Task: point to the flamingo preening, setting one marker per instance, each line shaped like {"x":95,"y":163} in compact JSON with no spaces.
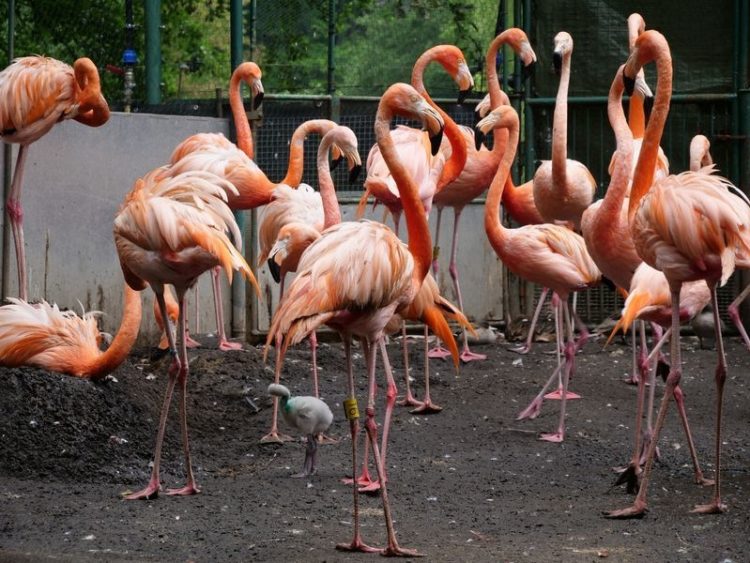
{"x":170,"y":231}
{"x":36,"y":93}
{"x":355,"y":277}
{"x":548,"y":254}
{"x":688,"y":227}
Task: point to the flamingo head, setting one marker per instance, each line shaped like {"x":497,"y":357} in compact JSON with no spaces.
{"x":250,"y":73}
{"x":344,"y":146}
{"x":647,"y":46}
{"x":93,"y":109}
{"x":636,"y":26}
{"x":500,"y":117}
{"x":563,"y":48}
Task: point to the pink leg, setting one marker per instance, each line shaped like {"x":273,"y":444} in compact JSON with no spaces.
{"x":526,"y":347}
{"x":352,"y":414}
{"x":639,"y":506}
{"x":634,"y":377}
{"x":409,"y":399}
{"x":569,"y":369}
{"x":314,"y":351}
{"x":393,"y":549}
{"x":427,"y":407}
{"x":154,"y":486}
{"x":190,"y":488}
{"x":224,"y":344}
{"x":438,"y":351}
{"x":716,"y":505}
{"x":557,"y":394}
{"x":679,"y":398}
{"x":466,"y":354}
{"x":734,"y":314}
{"x":15,"y":215}
{"x":364,"y":481}
{"x":274,"y":436}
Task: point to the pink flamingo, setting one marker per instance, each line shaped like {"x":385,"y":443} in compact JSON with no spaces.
{"x":687,"y":227}
{"x":293,"y":220}
{"x":478,"y":171}
{"x":548,"y":254}
{"x":36,"y":93}
{"x":171,"y":230}
{"x":355,"y":277}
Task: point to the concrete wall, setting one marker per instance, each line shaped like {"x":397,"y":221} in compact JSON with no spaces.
{"x":75,"y":180}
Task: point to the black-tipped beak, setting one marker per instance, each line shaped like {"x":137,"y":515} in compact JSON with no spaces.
{"x":478,"y":137}
{"x":275,"y":270}
{"x":257,"y":100}
{"x":335,"y":162}
{"x":648,"y":105}
{"x":435,"y":142}
{"x":528,"y":70}
{"x":629,"y":84}
{"x":354,"y":173}
{"x":557,"y":62}
{"x":463,"y":94}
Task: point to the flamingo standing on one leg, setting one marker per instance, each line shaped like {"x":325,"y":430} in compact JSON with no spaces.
{"x":36,"y":93}
{"x":479,"y":169}
{"x":548,"y":254}
{"x":293,"y":220}
{"x":355,"y":277}
{"x":171,"y":230}
{"x":41,"y":335}
{"x":687,"y":227}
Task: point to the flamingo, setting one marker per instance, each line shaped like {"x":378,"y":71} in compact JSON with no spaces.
{"x":700,"y":158}
{"x":548,"y":254}
{"x":36,"y":93}
{"x":294,"y":219}
{"x":42,"y":335}
{"x":355,"y":277}
{"x":171,"y":230}
{"x":309,"y":415}
{"x":687,"y":226}
{"x":563,"y":188}
{"x":478,"y":171}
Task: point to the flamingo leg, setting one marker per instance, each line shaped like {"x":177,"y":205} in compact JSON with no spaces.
{"x":365,"y":481}
{"x":314,"y":352}
{"x":526,"y":347}
{"x":438,"y":351}
{"x":569,"y":369}
{"x":224,"y":344}
{"x":427,"y":407}
{"x":409,"y":399}
{"x":190,"y":488}
{"x":716,"y":506}
{"x":154,"y":486}
{"x":466,"y":354}
{"x":308,"y":467}
{"x":634,"y":376}
{"x":15,"y":215}
{"x":639,"y":506}
{"x":274,"y":436}
{"x":353,"y":415}
{"x":734,"y":314}
{"x":560,"y":327}
{"x":392,"y":549}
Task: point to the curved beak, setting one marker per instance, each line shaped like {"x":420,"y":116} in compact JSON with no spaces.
{"x":648,"y":105}
{"x":478,"y":137}
{"x":463,"y":94}
{"x":527,"y":71}
{"x":336,"y":161}
{"x":557,"y":61}
{"x":275,"y":269}
{"x":258,"y":93}
{"x":354,"y":173}
{"x":629,"y":83}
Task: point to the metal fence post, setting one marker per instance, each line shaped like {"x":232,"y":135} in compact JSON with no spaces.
{"x":7,"y":164}
{"x":152,"y":15}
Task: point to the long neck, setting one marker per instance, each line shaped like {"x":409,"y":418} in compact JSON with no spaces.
{"x":644,"y":172}
{"x":241,"y":123}
{"x":636,"y":117}
{"x":496,"y":233}
{"x":420,"y":243}
{"x":499,"y":135}
{"x":457,"y":160}
{"x":297,"y":148}
{"x":331,"y":211}
{"x":124,"y":339}
{"x":618,"y":185}
{"x":560,"y":127}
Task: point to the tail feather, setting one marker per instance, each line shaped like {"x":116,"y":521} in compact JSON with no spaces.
{"x":434,"y":319}
{"x":635,"y":303}
{"x":362,"y":205}
{"x":454,"y":313}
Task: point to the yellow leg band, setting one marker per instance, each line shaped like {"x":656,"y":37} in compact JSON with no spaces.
{"x":351,"y":409}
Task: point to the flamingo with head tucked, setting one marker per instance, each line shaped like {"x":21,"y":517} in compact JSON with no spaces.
{"x":356,"y":276}
{"x":35,"y":93}
{"x":688,"y":227}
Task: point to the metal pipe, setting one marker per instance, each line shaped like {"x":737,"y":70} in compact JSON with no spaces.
{"x":152,"y":15}
{"x":253,"y":25}
{"x":331,"y":46}
{"x":129,"y":58}
{"x":683,"y":98}
{"x":239,"y":301}
{"x":8,"y":162}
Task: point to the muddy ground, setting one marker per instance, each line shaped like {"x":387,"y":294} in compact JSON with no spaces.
{"x":468,"y":484}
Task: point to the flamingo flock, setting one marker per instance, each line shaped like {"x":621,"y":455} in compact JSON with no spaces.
{"x":666,"y":241}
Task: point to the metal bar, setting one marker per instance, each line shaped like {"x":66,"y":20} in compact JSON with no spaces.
{"x":8,"y":163}
{"x":238,"y":299}
{"x":152,"y":15}
{"x":253,"y":25}
{"x":680,"y":98}
{"x":331,"y":46}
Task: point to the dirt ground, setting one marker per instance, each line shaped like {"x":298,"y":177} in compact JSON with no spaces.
{"x":468,"y":484}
